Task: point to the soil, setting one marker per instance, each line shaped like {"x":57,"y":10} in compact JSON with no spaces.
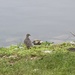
{"x":71,"y":49}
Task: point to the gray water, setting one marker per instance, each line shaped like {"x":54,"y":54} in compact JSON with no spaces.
{"x":50,"y":20}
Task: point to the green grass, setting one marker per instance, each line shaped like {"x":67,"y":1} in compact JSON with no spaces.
{"x":18,"y":60}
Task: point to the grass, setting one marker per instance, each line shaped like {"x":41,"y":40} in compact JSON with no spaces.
{"x":18,"y":60}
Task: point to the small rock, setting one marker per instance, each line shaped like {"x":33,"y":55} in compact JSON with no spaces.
{"x":72,"y":42}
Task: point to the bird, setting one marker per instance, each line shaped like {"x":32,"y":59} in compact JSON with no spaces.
{"x":27,"y":41}
{"x":37,"y":42}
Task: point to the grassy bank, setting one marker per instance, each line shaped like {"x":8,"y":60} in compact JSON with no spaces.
{"x":46,"y":59}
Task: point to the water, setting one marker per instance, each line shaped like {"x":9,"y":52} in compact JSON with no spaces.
{"x":50,"y":20}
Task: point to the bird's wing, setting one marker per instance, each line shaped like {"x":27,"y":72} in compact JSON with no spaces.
{"x":28,"y":42}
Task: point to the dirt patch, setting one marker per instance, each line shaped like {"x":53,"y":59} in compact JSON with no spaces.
{"x":71,"y":49}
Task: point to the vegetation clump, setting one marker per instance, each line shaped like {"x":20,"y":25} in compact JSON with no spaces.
{"x":44,"y":59}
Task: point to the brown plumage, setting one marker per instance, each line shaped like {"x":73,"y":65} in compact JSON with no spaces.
{"x":27,"y":41}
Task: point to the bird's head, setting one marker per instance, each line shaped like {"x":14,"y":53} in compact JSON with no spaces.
{"x":27,"y":35}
